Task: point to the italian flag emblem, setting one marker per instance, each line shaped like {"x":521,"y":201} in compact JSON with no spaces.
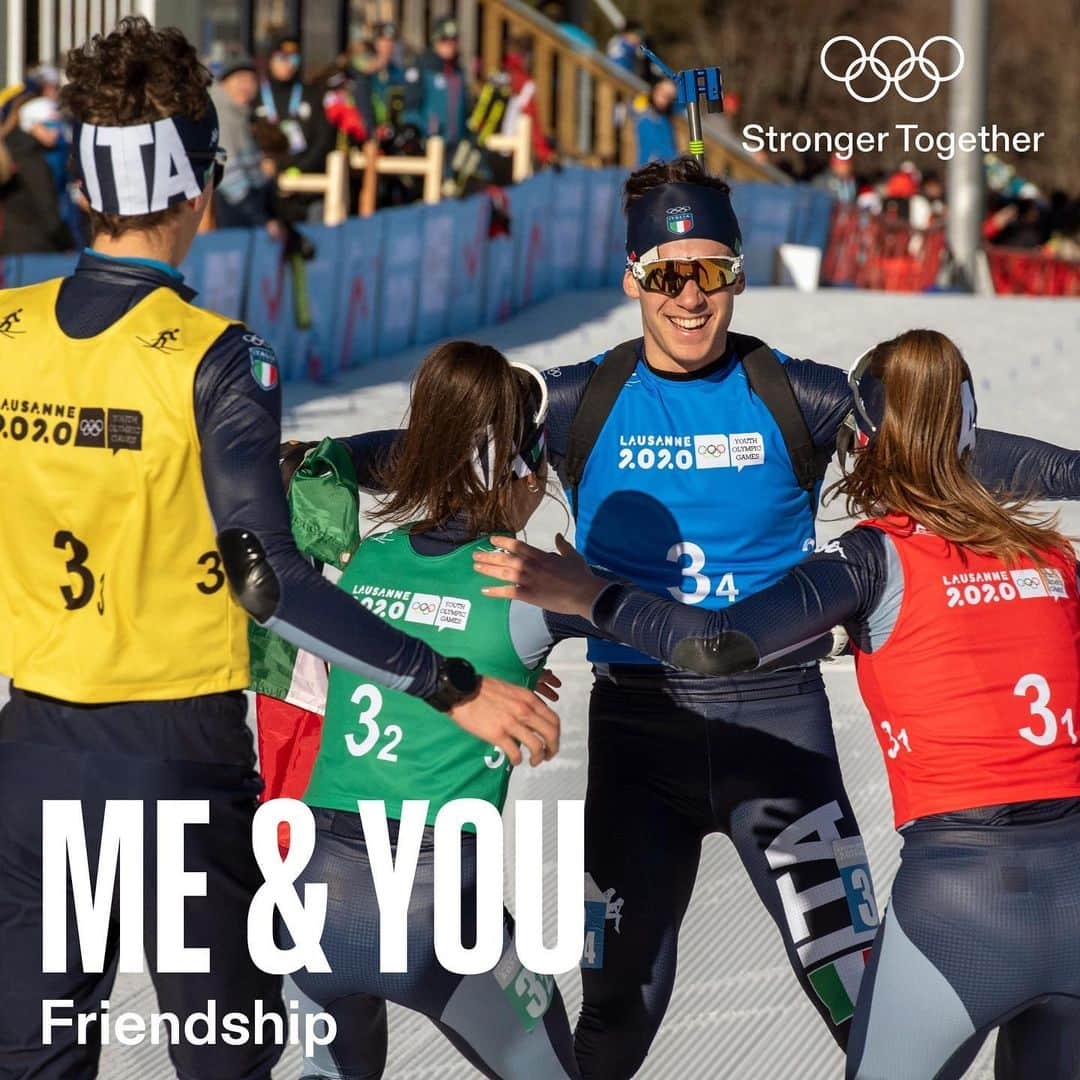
{"x":837,"y":984}
{"x":680,"y":219}
{"x":264,"y":368}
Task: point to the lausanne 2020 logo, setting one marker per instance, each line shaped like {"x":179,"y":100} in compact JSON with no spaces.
{"x":839,"y":46}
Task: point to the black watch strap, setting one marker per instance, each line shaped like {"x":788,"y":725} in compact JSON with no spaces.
{"x":458,"y":681}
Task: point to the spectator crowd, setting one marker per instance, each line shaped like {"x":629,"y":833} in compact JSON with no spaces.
{"x":277,"y":121}
{"x":280,"y":118}
{"x":1018,"y":213}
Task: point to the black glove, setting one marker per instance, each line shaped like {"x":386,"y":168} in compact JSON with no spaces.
{"x":291,"y":457}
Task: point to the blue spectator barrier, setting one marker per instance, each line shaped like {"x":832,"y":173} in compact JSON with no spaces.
{"x":217,"y":266}
{"x":532,"y":206}
{"x":468,"y":282}
{"x":33,"y":268}
{"x":401,"y":265}
{"x":600,"y":261}
{"x":418,"y":274}
{"x":499,"y":294}
{"x":436,"y":271}
{"x":9,"y":271}
{"x":354,"y":338}
{"x":313,"y":344}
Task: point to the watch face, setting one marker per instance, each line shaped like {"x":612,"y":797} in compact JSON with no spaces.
{"x":461,"y":675}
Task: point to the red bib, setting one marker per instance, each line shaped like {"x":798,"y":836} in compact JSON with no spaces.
{"x":975,"y":695}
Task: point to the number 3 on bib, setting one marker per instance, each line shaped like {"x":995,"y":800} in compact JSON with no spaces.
{"x":372,"y":732}
{"x":1040,"y":707}
{"x":702,"y":583}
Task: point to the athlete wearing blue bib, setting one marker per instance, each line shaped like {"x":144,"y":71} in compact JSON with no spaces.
{"x":672,"y":452}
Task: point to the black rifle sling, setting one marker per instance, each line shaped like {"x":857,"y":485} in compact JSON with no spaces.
{"x":770,"y":382}
{"x":767,"y":379}
{"x":594,"y":409}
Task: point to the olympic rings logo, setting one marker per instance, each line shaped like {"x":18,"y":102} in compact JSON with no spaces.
{"x":713,"y":450}
{"x":91,"y":428}
{"x":889,"y":78}
{"x":425,"y":608}
{"x":1028,"y":582}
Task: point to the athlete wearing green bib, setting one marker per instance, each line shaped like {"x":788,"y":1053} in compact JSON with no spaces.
{"x":471,"y":463}
{"x":382,"y":744}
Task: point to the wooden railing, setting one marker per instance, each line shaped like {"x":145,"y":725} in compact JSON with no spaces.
{"x":580,"y":95}
{"x":583,"y":101}
{"x":333,"y":185}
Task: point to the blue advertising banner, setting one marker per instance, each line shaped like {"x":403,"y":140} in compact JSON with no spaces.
{"x":618,"y":231}
{"x":499,"y":293}
{"x":531,"y":205}
{"x":472,"y":219}
{"x":812,"y":215}
{"x":354,"y":339}
{"x":765,"y":214}
{"x":9,"y":271}
{"x":434,"y":296}
{"x":567,"y":223}
{"x":401,"y":247}
{"x":313,"y":345}
{"x":270,"y":312}
{"x":216,"y":268}
{"x":599,"y":223}
{"x":35,"y":268}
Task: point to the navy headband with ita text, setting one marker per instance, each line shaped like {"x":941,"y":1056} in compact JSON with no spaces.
{"x":143,"y":168}
{"x":680,"y":212}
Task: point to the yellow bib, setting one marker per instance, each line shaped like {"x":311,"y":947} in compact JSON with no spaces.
{"x":111,"y":585}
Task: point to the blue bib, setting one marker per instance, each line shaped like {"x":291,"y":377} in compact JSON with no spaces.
{"x":689,"y":492}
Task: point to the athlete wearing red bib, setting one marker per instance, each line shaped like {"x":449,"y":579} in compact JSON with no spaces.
{"x":995,"y":648}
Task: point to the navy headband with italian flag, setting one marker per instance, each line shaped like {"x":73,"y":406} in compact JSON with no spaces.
{"x":680,"y":212}
{"x":143,"y":168}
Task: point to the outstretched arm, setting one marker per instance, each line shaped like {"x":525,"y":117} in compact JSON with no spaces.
{"x":767,"y":629}
{"x":773,"y":627}
{"x":239,"y":429}
{"x":1008,"y":465}
{"x":566,"y":386}
{"x":369,"y":452}
{"x":1015,"y":465}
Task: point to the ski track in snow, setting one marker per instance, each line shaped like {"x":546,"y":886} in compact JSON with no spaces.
{"x":736,"y":1012}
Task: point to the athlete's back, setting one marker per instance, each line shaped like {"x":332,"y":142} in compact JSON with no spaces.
{"x":114,"y":587}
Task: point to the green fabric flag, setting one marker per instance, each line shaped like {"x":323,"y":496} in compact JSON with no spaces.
{"x":324,"y":507}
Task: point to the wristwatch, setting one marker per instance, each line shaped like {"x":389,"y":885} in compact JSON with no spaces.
{"x":458,"y":682}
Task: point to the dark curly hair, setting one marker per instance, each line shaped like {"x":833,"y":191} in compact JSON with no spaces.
{"x":134,"y":75}
{"x":683,"y":170}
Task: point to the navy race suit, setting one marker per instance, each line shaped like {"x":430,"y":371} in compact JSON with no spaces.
{"x":689,"y":492}
{"x":983,"y":927}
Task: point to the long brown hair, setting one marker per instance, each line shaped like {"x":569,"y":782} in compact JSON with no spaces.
{"x":466,"y":400}
{"x":913,"y":467}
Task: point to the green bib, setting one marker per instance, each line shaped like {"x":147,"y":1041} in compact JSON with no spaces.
{"x":383,"y":744}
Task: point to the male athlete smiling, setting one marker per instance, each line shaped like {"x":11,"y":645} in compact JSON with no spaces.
{"x":692,"y":458}
{"x":683,"y":332}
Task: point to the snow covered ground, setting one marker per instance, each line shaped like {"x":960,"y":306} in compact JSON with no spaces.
{"x":736,"y":1013}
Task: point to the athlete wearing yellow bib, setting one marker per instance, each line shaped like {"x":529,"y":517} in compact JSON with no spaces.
{"x":115,"y":588}
{"x":144,"y":524}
